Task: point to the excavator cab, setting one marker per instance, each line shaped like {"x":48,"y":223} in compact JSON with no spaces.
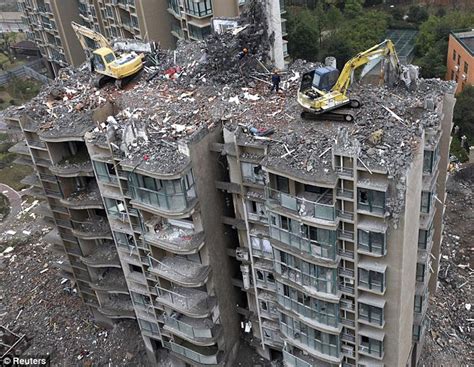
{"x":102,"y":58}
{"x":322,"y":78}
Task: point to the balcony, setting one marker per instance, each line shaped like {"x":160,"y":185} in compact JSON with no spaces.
{"x":308,"y":206}
{"x":180,"y":271}
{"x":324,"y":251}
{"x":88,"y":198}
{"x":104,"y":255}
{"x":298,"y":359}
{"x":74,"y":166}
{"x":347,"y":254}
{"x":92,"y":229}
{"x":177,"y":240}
{"x":199,"y":331}
{"x":187,"y":301}
{"x":201,"y":355}
{"x":20,"y":148}
{"x":112,"y":281}
{"x":117,"y":307}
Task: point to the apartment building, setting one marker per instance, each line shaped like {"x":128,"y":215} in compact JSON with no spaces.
{"x":337,"y":262}
{"x":460,"y":66}
{"x":208,"y":220}
{"x":48,"y":25}
{"x":165,"y":21}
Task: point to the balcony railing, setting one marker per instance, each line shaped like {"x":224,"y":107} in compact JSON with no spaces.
{"x":179,"y":270}
{"x":196,"y":329}
{"x":290,"y":360}
{"x":198,"y":355}
{"x":306,"y":311}
{"x":346,"y":288}
{"x":344,"y":171}
{"x":176,"y":240}
{"x":309,"y":205}
{"x":177,"y":202}
{"x":346,"y":253}
{"x":322,"y":250}
{"x":185,"y":300}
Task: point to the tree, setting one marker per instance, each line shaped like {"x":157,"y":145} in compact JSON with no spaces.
{"x":464,"y":113}
{"x":431,"y":47}
{"x":303,"y":35}
{"x":353,"y":8}
{"x":417,"y":14}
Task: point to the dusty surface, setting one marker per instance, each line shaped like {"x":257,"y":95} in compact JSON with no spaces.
{"x":36,"y":301}
{"x":449,"y":341}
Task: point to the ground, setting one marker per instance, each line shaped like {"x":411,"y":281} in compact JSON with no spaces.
{"x":39,"y":303}
{"x":449,"y":340}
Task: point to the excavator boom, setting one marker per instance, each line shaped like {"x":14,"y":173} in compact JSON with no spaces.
{"x":318,"y":96}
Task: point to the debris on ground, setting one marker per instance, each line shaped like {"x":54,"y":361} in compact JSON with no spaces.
{"x":449,"y":340}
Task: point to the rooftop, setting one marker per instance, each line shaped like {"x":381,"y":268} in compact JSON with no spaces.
{"x":466,"y":39}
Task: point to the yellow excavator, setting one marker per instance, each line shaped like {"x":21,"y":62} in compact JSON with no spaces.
{"x":323,"y":91}
{"x":103,"y":59}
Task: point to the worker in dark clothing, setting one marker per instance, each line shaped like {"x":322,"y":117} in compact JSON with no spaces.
{"x":275,"y":81}
{"x":243,"y":53}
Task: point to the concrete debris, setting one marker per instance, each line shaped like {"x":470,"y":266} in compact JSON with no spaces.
{"x":449,"y":340}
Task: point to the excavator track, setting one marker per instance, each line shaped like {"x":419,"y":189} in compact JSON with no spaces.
{"x":344,"y":115}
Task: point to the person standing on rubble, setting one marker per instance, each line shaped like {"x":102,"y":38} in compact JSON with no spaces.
{"x":276,"y":79}
{"x":243,"y":53}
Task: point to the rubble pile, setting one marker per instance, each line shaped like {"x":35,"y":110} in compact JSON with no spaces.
{"x":449,"y":339}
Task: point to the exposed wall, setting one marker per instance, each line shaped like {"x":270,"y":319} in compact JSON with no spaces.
{"x":66,"y":11}
{"x":445,"y":141}
{"x":155,"y":22}
{"x":206,"y":171}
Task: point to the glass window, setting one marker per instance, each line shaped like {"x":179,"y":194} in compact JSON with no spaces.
{"x":283,"y":184}
{"x":372,"y":242}
{"x":420,"y":272}
{"x":466,"y":67}
{"x":371,"y":313}
{"x":428,"y":159}
{"x":199,"y":8}
{"x":371,"y":346}
{"x":454,"y":55}
{"x":425,"y":205}
{"x":372,"y":280}
{"x":371,"y":200}
{"x":418,"y":303}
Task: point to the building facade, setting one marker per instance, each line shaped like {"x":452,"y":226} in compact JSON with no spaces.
{"x":460,"y":67}
{"x":164,"y":21}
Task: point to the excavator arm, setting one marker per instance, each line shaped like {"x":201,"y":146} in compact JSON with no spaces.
{"x":383,"y":50}
{"x":84,"y":34}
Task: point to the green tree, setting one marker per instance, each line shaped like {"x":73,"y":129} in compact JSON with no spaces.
{"x":417,"y":14}
{"x":431,"y":46}
{"x":353,"y":8}
{"x":464,"y":113}
{"x":303,"y":35}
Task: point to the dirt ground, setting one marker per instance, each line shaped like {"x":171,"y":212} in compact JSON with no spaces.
{"x":37,"y":302}
{"x":449,"y":341}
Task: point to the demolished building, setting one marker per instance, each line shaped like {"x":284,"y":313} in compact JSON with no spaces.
{"x":205,"y":208}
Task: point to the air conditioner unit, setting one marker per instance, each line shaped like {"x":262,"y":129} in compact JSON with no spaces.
{"x":464,"y":77}
{"x":241,"y":254}
{"x":456,"y":67}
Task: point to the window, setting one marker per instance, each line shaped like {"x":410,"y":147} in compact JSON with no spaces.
{"x":454,"y":55}
{"x":422,"y":239}
{"x":322,"y":342}
{"x":372,"y":314}
{"x":372,"y":242}
{"x":148,"y":326}
{"x":371,"y":346}
{"x":140,"y":299}
{"x":124,"y":240}
{"x":418,"y":303}
{"x":420,"y":272}
{"x":174,"y":5}
{"x":371,"y":200}
{"x":199,"y":8}
{"x":252,"y":173}
{"x":416,"y":332}
{"x":466,"y":67}
{"x":459,"y":59}
{"x":135,"y":269}
{"x":312,"y":308}
{"x":428,"y":160}
{"x":199,"y":33}
{"x":105,"y":171}
{"x":283,"y":184}
{"x":426,"y":198}
{"x":171,"y":195}
{"x":261,"y":246}
{"x":301,"y":272}
{"x":370,"y":279}
{"x":115,"y":208}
